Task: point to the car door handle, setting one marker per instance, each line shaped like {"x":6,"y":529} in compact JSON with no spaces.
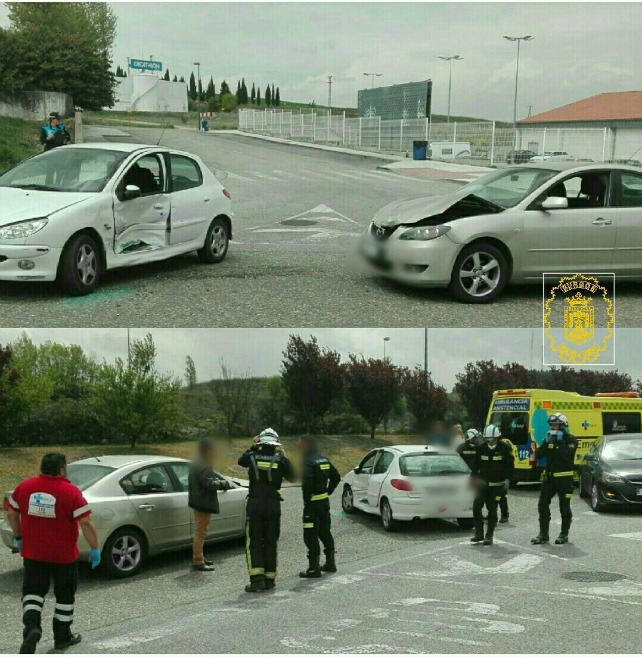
{"x":601,"y":221}
{"x":146,"y":507}
{"x":206,"y":199}
{"x":159,"y":206}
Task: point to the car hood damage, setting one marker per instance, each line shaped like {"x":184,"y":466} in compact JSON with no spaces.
{"x":24,"y":204}
{"x":434,"y":210}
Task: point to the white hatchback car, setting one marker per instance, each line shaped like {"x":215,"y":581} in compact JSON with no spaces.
{"x":74,"y":212}
{"x":410,"y":482}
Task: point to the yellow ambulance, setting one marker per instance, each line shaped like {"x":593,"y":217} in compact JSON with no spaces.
{"x":522,"y":416}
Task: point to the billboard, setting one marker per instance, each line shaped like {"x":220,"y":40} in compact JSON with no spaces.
{"x":399,"y":101}
{"x":145,"y":65}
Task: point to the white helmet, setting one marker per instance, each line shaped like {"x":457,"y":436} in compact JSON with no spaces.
{"x":558,"y":418}
{"x":473,"y":434}
{"x":269,"y":437}
{"x":491,"y":432}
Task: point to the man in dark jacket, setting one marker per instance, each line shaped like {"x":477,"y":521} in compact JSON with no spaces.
{"x":492,"y":472}
{"x":203,"y":487}
{"x":558,"y":449}
{"x":319,"y":479}
{"x":468,"y":449}
{"x":267,"y":467}
{"x":54,"y":133}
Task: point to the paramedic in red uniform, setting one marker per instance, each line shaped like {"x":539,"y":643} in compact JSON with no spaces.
{"x":45,"y":512}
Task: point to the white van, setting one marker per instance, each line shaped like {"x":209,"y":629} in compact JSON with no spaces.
{"x":448,"y":150}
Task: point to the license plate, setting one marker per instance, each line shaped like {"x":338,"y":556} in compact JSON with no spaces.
{"x":639,"y":491}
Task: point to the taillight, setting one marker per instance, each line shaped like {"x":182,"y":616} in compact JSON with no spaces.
{"x":401,"y":484}
{"x":532,"y":461}
{"x":227,"y":194}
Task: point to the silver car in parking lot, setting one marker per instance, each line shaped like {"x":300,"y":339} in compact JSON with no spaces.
{"x":511,"y":226}
{"x":139,"y":508}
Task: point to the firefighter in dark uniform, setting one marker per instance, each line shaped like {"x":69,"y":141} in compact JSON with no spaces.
{"x":558,"y":449}
{"x":492,"y":471}
{"x":268,"y":466}
{"x":468,"y":449}
{"x":319,"y":479}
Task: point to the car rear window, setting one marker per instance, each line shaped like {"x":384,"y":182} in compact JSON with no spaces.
{"x":85,"y":475}
{"x":432,"y":465}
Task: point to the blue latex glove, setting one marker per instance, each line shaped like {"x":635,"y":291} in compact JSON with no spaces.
{"x":94,"y":557}
{"x":17,"y":544}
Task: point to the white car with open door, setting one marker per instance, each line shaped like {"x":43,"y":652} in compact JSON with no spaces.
{"x":410,"y":482}
{"x":72,"y":213}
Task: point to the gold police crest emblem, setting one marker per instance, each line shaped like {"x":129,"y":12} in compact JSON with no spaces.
{"x":579,"y":319}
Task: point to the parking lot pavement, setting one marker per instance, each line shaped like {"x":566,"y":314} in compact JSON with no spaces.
{"x":293,"y":260}
{"x":422,"y":589}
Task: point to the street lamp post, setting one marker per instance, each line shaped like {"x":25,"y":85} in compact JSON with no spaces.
{"x":373,"y":76}
{"x":450,"y":77}
{"x":198,"y":93}
{"x":384,"y":347}
{"x":527,"y":37}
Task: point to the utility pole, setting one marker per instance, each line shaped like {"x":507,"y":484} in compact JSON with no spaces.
{"x":329,"y":83}
{"x":530,"y":110}
{"x":373,"y":76}
{"x":426,"y":354}
{"x":450,"y":77}
{"x":198,"y":93}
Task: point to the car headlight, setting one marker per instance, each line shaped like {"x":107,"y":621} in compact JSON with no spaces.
{"x":23,"y":229}
{"x":612,"y":478}
{"x":423,"y":233}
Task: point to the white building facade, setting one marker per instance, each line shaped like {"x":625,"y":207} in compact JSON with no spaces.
{"x":148,"y":93}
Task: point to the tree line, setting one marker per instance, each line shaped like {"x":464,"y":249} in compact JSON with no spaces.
{"x":62,"y":48}
{"x":52,"y":394}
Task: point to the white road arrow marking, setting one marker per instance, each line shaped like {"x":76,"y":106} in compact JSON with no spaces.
{"x":635,"y":536}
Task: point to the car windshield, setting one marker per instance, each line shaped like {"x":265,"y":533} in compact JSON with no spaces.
{"x":508,"y":187}
{"x":432,"y":465}
{"x":85,"y":475}
{"x":65,"y":170}
{"x":623,"y":449}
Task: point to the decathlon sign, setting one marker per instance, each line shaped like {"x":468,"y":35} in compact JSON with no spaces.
{"x":145,"y":65}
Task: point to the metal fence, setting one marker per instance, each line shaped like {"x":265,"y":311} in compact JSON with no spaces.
{"x":482,"y":143}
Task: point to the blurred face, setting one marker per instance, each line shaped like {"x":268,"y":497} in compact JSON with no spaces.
{"x":557,"y":426}
{"x":302,"y":447}
{"x":54,"y":122}
{"x":210,"y":453}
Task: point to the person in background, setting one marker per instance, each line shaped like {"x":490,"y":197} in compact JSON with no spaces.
{"x":45,"y":513}
{"x":456,"y":435}
{"x":319,"y":480}
{"x":54,"y":133}
{"x":438,"y":436}
{"x":203,"y":487}
{"x":468,"y":449}
{"x":268,"y":466}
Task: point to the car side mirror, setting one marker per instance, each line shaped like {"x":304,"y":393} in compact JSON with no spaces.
{"x":131,"y":192}
{"x":554,"y":203}
{"x":357,"y":470}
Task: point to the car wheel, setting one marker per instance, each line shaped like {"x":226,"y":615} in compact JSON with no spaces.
{"x":466,"y":523}
{"x":80,"y":266}
{"x":480,"y":273}
{"x":347,"y":500}
{"x":596,"y":505}
{"x":581,"y":489}
{"x":216,"y":244}
{"x":124,"y":553}
{"x":388,"y":522}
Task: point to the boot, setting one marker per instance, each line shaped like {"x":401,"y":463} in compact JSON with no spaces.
{"x":561,"y":539}
{"x":256,"y":586}
{"x":314,"y":570}
{"x":488,"y":540}
{"x":503,"y":519}
{"x":539,"y":539}
{"x":269,"y":584}
{"x":30,"y":641}
{"x":67,"y":643}
{"x":330,"y":565}
{"x":478,"y":537}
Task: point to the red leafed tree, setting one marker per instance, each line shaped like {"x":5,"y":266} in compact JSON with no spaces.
{"x":312,"y":377}
{"x":426,"y":400}
{"x":373,"y":387}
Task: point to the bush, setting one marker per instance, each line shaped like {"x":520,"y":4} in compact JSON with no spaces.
{"x":345,"y":423}
{"x":228,"y":103}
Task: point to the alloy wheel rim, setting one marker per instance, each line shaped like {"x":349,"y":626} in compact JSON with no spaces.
{"x":126,"y":553}
{"x":347,"y":499}
{"x":86,"y":264}
{"x":218,"y":241}
{"x":594,"y":496}
{"x":386,"y":515}
{"x":479,"y":274}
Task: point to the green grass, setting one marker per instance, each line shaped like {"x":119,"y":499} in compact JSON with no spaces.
{"x":220,"y":121}
{"x":345,"y":452}
{"x":18,"y":140}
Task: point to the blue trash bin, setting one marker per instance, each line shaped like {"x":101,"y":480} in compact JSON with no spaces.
{"x":205,"y":126}
{"x":419,"y":149}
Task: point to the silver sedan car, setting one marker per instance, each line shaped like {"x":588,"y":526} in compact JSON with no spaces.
{"x":511,"y":226}
{"x":139,"y":508}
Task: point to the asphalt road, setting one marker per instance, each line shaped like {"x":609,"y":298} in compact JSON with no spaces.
{"x":422,"y":589}
{"x":298,"y":215}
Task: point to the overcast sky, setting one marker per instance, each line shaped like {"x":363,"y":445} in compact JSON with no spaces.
{"x":580,"y":49}
{"x":260,"y":350}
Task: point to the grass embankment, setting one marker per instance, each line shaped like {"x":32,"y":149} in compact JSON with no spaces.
{"x":18,"y":140}
{"x":220,"y":121}
{"x":18,"y":463}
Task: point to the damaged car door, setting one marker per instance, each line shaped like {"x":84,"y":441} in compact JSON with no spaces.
{"x":142,"y":207}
